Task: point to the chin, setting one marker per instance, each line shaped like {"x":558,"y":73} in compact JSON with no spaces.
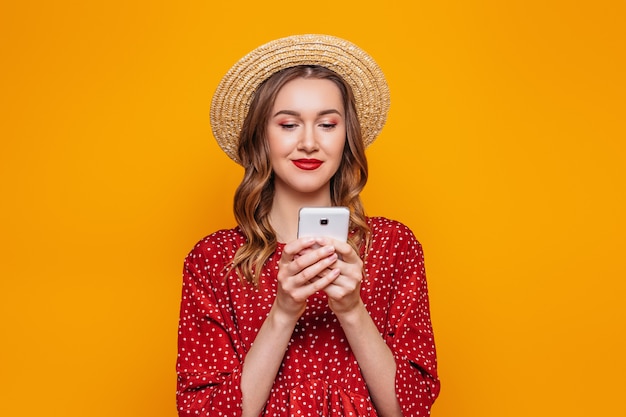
{"x":311,"y":188}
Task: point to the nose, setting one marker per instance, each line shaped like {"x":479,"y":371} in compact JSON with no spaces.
{"x":308,"y":140}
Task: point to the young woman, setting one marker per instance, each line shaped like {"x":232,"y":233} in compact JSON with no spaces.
{"x":276,"y":325}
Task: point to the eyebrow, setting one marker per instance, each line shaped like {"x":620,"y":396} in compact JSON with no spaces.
{"x":295,"y":113}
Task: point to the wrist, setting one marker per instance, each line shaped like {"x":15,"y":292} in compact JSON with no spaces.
{"x":279,"y":318}
{"x":353,"y":316}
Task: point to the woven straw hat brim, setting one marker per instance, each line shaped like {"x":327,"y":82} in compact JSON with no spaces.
{"x":233,"y":95}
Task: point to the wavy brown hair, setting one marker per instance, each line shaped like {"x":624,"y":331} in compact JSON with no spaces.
{"x":254,"y":196}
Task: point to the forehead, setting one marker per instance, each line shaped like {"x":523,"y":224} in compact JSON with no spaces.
{"x":309,"y":93}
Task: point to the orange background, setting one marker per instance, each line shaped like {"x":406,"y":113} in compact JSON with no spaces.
{"x":504,"y":152}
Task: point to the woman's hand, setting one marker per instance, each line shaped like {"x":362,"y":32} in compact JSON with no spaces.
{"x":305,"y":267}
{"x":344,"y":292}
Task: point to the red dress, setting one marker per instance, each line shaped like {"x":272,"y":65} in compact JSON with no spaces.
{"x":319,"y":376}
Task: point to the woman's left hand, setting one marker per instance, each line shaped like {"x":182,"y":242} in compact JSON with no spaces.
{"x":344,"y":293}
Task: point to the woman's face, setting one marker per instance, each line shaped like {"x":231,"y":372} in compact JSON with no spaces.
{"x":306,"y":133}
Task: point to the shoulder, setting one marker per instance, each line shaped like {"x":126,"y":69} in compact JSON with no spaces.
{"x":391,"y":238}
{"x":384,"y":228}
{"x":221,"y":244}
{"x":394,"y":247}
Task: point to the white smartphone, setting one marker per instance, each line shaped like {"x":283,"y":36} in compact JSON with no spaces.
{"x":331,"y":222}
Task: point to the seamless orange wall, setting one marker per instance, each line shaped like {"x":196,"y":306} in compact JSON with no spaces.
{"x":504,"y":152}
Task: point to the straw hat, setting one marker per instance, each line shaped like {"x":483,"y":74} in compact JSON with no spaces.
{"x":232,"y":98}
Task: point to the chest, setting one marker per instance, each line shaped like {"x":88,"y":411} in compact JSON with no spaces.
{"x":248,"y":309}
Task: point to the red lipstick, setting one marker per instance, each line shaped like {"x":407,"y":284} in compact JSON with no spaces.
{"x":307,"y":164}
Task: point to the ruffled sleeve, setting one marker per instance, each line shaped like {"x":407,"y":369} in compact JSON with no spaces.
{"x":409,"y":330}
{"x":209,"y":362}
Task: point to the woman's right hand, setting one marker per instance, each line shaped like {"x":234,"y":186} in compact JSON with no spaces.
{"x":303,"y":270}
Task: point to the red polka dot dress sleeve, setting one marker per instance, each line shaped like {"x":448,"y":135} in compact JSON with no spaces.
{"x":400,"y":307}
{"x":209,"y":357}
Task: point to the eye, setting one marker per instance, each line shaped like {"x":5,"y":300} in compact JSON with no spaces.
{"x":288,"y":126}
{"x":328,"y":126}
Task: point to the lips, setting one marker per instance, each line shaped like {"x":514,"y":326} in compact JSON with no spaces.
{"x":307,"y":164}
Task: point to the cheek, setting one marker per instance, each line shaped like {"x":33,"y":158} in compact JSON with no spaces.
{"x":275,"y":142}
{"x":337,"y":140}
{"x":337,"y":152}
{"x":340,"y":143}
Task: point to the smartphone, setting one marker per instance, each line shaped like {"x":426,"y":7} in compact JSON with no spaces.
{"x":331,"y":222}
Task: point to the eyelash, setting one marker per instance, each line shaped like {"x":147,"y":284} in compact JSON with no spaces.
{"x":291,"y":126}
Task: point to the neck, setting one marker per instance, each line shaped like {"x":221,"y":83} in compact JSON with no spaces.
{"x":285,"y":207}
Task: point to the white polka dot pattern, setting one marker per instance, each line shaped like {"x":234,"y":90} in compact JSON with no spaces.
{"x":319,"y":376}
